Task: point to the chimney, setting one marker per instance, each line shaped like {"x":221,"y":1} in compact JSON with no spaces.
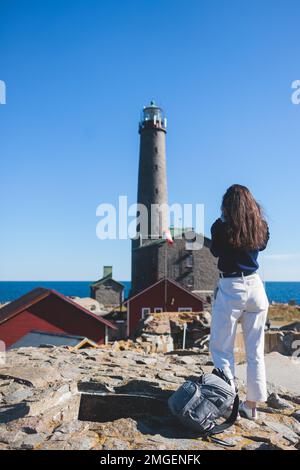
{"x":107,"y":271}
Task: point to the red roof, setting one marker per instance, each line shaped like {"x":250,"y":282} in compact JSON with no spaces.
{"x":170,"y":281}
{"x":34,"y":296}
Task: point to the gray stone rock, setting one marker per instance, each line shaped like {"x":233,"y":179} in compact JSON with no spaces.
{"x":31,"y":441}
{"x":114,"y":443}
{"x":146,"y":361}
{"x":295,"y":426}
{"x":169,"y":378}
{"x":188,"y":360}
{"x":258,"y":446}
{"x":296,"y":415}
{"x":247,"y":425}
{"x":274,"y":401}
{"x":282,"y":429}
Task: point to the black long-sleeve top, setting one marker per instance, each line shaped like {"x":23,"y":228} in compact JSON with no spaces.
{"x":232,"y":259}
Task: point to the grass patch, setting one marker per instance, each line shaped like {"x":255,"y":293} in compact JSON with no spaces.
{"x":284,"y":313}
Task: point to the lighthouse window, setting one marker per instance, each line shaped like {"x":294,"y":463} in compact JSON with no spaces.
{"x":156,"y":167}
{"x":155,"y":149}
{"x":189,"y":261}
{"x":156,"y":191}
{"x":190,"y":281}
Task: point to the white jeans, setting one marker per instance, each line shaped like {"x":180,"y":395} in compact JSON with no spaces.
{"x":245,"y":299}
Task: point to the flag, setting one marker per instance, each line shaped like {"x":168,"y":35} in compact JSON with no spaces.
{"x":168,"y":237}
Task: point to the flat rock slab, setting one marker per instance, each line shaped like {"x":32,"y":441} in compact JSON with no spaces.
{"x":282,"y":429}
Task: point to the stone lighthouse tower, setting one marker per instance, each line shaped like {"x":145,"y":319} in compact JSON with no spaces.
{"x":152,"y":219}
{"x":152,"y":179}
{"x":151,"y":257}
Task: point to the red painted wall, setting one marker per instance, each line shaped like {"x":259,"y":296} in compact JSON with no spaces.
{"x":54,"y":315}
{"x":156,"y":296}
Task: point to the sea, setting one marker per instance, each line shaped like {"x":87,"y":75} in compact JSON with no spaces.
{"x":10,"y":290}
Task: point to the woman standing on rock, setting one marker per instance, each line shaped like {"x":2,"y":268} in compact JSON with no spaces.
{"x":237,"y":238}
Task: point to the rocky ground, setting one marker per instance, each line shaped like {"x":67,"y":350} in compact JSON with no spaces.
{"x":51,"y":399}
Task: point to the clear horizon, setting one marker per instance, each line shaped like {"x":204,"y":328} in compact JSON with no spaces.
{"x":77,"y":75}
{"x":92,"y":280}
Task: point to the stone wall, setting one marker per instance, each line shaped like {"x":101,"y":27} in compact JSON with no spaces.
{"x":149,"y":265}
{"x":107,"y":293}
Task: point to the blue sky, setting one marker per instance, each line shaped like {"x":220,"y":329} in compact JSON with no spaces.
{"x":77,"y":75}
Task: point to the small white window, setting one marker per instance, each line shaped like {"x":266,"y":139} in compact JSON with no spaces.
{"x":158,"y":309}
{"x":145,"y":311}
{"x":185,"y":309}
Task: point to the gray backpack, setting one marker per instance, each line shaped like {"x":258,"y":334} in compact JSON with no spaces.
{"x":198,"y":404}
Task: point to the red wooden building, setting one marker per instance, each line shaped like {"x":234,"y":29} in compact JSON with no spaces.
{"x":163,"y":296}
{"x":49,"y":311}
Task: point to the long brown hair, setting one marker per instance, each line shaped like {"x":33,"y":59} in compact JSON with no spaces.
{"x":245,"y":225}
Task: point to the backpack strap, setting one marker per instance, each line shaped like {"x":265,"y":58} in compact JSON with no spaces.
{"x":219,"y":441}
{"x":229,"y":421}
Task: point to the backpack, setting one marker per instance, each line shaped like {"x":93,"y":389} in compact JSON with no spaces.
{"x":198,"y":404}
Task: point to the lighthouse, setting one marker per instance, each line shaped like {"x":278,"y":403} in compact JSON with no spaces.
{"x":152,"y":179}
{"x":151,"y":257}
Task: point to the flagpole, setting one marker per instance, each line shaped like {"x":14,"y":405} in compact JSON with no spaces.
{"x":168,"y":239}
{"x":166,"y":261}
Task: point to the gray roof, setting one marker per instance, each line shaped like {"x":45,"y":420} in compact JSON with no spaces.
{"x":107,"y":278}
{"x":37,"y":338}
